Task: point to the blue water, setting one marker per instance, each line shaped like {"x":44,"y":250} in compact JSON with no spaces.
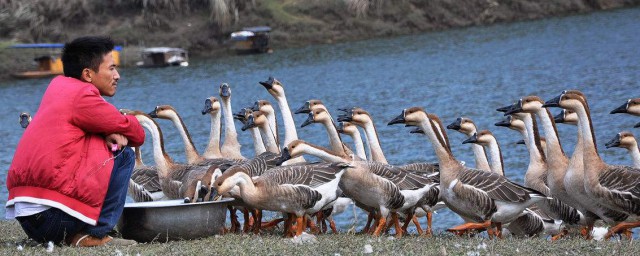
{"x":462,"y":72}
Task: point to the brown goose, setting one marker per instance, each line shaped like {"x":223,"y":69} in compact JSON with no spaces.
{"x":268,"y":110}
{"x":351,"y":130}
{"x":176,"y":180}
{"x":276,"y":89}
{"x":169,"y":113}
{"x":614,"y":187}
{"x":362,"y":118}
{"x":627,"y":141}
{"x":230,"y":147}
{"x":321,"y":115}
{"x":632,"y":107}
{"x":259,"y":120}
{"x":467,"y":127}
{"x":476,"y":195}
{"x":486,"y":139}
{"x":212,"y":107}
{"x":243,"y":117}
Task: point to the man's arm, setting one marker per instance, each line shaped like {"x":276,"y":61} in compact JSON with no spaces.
{"x":95,"y":115}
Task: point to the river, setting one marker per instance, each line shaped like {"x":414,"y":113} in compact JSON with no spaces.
{"x":461,"y":72}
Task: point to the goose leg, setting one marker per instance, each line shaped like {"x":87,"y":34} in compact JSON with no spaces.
{"x":257,"y":223}
{"x":428,"y":232}
{"x":586,"y":231}
{"x":408,"y":220}
{"x":332,"y":225}
{"x":462,"y":229}
{"x":498,"y":229}
{"x":396,"y":222}
{"x":312,"y":226}
{"x":622,"y":228}
{"x":562,"y":234}
{"x":300,"y":224}
{"x":417,"y":224}
{"x":247,"y":221}
{"x":369,"y":219}
{"x":381,"y":224}
{"x":235,"y":224}
{"x":272,"y":223}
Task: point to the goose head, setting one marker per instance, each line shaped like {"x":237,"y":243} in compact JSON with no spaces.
{"x":294,"y":149}
{"x":163,"y":112}
{"x":274,"y":87}
{"x":569,"y":99}
{"x":632,"y":106}
{"x":256,"y":119}
{"x":309,"y":105}
{"x":512,"y":123}
{"x":316,"y":116}
{"x":483,"y":138}
{"x":229,"y":180}
{"x":356,"y":115}
{"x":566,"y":117}
{"x":264,"y":106}
{"x":417,"y":130}
{"x":463,"y":125}
{"x":225,"y":91}
{"x":25,"y":119}
{"x":623,"y":140}
{"x":243,"y":115}
{"x":347,"y":128}
{"x":211,"y":106}
{"x":529,"y":104}
{"x":410,"y":116}
{"x":505,"y":108}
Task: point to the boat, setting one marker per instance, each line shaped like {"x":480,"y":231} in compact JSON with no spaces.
{"x":251,"y":40}
{"x":163,"y":57}
{"x":49,"y":63}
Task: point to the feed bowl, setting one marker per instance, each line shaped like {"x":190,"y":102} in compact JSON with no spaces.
{"x":168,"y":220}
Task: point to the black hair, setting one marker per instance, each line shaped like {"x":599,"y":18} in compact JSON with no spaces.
{"x":84,"y":52}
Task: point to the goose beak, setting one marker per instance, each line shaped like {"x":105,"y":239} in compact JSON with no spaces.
{"x":504,"y":109}
{"x":24,"y":121}
{"x":340,"y":127}
{"x":520,"y":142}
{"x":620,"y":109}
{"x":614,"y":142}
{"x":207,"y":107}
{"x":417,"y":130}
{"x":555,"y":102}
{"x":269,"y":83}
{"x":225,"y":90}
{"x":284,"y":156}
{"x":505,"y":122}
{"x":308,"y":121}
{"x":203,"y":192}
{"x":154,"y":113}
{"x":345,"y":118}
{"x":304,"y":109}
{"x":515,"y":108}
{"x":213,"y":195}
{"x":256,"y":106}
{"x":637,"y":125}
{"x":240,"y":115}
{"x":398,"y":120}
{"x":472,"y":139}
{"x":455,"y":125}
{"x":249,"y":124}
{"x":559,"y":118}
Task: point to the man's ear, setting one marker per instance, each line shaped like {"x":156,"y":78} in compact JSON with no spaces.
{"x":87,"y":75}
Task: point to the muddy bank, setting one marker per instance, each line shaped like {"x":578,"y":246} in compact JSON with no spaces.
{"x":203,"y":27}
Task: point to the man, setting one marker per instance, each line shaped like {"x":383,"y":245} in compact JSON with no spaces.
{"x":68,"y":178}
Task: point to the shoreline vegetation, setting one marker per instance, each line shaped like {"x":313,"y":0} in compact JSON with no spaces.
{"x":13,"y":242}
{"x":203,"y":27}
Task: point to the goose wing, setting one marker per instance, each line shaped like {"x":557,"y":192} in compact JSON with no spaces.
{"x":401,"y":178}
{"x":623,"y":185}
{"x":421,"y":168}
{"x":147,"y":177}
{"x":496,"y":186}
{"x":312,"y":175}
{"x":301,"y":195}
{"x":138,"y":192}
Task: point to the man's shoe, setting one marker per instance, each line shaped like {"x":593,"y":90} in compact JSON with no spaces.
{"x":84,"y":240}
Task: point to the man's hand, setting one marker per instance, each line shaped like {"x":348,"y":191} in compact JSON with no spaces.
{"x":117,"y":141}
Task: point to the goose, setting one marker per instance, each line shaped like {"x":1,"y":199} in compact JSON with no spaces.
{"x":258,"y":144}
{"x":614,"y":188}
{"x":268,"y":110}
{"x":321,"y":115}
{"x":628,"y":141}
{"x":375,"y":186}
{"x":176,"y":180}
{"x":535,"y":221}
{"x":486,"y":139}
{"x":212,"y":107}
{"x":632,"y":107}
{"x":230,"y":147}
{"x":466,"y":126}
{"x":476,"y":195}
{"x":276,"y":89}
{"x":351,"y":130}
{"x":298,"y":190}
{"x":259,"y":120}
{"x":25,"y":119}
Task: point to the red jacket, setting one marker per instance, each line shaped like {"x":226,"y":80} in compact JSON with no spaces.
{"x":62,"y":159}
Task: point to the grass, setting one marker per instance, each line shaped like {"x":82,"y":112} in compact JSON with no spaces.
{"x":330,"y":244}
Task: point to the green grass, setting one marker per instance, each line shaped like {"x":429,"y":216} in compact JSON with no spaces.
{"x":331,"y":244}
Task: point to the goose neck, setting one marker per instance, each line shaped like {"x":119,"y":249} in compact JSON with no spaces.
{"x":213,"y":148}
{"x":334,"y":138}
{"x":374,"y":143}
{"x":190,"y":150}
{"x":496,"y":157}
{"x":445,"y":157}
{"x":556,"y":158}
{"x":269,"y":139}
{"x":357,"y":141}
{"x":258,"y":145}
{"x":635,"y":154}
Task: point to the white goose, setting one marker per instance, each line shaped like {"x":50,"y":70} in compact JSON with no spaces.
{"x":632,"y":107}
{"x":276,"y":89}
{"x":230,"y":147}
{"x":467,"y":127}
{"x":627,"y":141}
{"x":268,"y":110}
{"x":243,"y":117}
{"x":259,"y":120}
{"x":212,"y":107}
{"x":614,"y":187}
{"x":321,"y":115}
{"x":476,"y":195}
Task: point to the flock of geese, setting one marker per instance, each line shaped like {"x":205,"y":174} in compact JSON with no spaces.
{"x":560,"y":192}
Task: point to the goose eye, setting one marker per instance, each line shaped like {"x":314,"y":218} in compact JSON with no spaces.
{"x":219,"y":184}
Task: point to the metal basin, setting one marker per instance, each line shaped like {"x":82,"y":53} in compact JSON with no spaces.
{"x":168,"y":220}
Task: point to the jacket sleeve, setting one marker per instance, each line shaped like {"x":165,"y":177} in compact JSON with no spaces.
{"x":93,"y":114}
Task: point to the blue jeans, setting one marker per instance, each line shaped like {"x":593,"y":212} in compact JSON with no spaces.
{"x":55,"y":225}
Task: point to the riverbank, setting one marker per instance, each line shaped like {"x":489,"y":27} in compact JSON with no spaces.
{"x":13,"y":239}
{"x":203,"y":28}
